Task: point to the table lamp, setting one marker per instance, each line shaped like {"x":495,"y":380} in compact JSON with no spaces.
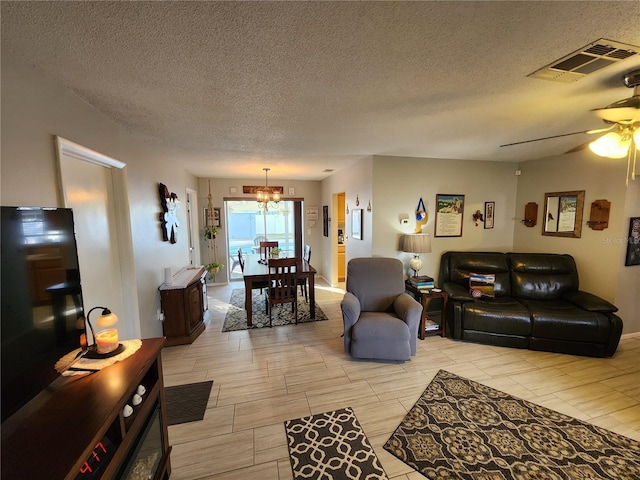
{"x":105,"y":341}
{"x":416,"y":243}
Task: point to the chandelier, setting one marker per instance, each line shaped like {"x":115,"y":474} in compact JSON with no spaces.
{"x":267,"y":195}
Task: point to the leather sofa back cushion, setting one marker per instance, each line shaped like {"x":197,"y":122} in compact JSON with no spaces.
{"x":542,"y":276}
{"x":462,"y":264}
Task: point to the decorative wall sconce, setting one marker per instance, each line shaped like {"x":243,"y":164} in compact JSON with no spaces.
{"x":599,"y":217}
{"x":369,"y":206}
{"x":530,"y":214}
{"x":357,"y":201}
{"x":477,"y":217}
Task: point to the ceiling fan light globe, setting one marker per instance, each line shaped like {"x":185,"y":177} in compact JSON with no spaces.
{"x":611,"y":145}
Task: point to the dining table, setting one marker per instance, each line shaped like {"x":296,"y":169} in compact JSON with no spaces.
{"x":255,"y":271}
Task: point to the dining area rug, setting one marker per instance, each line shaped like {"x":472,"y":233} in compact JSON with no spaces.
{"x":236,"y":318}
{"x":461,"y":429}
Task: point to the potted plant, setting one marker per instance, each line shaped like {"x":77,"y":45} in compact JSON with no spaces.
{"x":214,"y":267}
{"x":275,"y":252}
{"x":210,"y":232}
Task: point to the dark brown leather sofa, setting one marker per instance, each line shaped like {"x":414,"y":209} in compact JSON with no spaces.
{"x":537,"y":304}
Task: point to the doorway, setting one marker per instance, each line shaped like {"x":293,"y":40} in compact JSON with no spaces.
{"x":94,"y":187}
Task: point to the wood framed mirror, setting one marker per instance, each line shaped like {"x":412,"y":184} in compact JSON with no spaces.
{"x":563,"y":214}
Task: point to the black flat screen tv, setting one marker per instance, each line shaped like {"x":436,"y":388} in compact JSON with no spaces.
{"x":41,"y":296}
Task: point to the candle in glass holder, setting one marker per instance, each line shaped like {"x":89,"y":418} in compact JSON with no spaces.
{"x":107,"y":340}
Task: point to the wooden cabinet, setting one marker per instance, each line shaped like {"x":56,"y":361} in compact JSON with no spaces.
{"x":184,"y":304}
{"x":77,"y":429}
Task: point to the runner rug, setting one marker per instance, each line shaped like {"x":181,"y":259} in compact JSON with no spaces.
{"x":187,"y":403}
{"x":460,"y":429}
{"x":331,"y":445}
{"x":236,"y":318}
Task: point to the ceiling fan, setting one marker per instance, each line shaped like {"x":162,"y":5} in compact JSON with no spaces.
{"x":623,"y":137}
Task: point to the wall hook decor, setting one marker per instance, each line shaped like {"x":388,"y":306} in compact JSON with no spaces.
{"x":169,"y":216}
{"x":478,"y":217}
{"x":422,"y":217}
{"x":530,"y":214}
{"x":599,"y":217}
{"x":357,"y":200}
{"x":369,"y":206}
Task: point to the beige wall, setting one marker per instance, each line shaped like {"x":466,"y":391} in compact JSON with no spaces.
{"x":34,"y":109}
{"x":399,"y":183}
{"x":599,"y":255}
{"x":356,"y":182}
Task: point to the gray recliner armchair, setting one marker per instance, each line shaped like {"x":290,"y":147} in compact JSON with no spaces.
{"x":380,"y":320}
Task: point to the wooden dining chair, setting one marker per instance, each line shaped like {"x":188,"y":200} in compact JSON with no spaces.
{"x":283,"y":285}
{"x":303,"y":282}
{"x":265,"y":250}
{"x":256,"y":285}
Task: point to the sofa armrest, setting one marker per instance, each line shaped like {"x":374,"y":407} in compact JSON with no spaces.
{"x":409,"y":310}
{"x":457,"y":292}
{"x":590,"y":302}
{"x":350,"y":307}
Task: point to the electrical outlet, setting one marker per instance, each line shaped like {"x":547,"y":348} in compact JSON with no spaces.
{"x":160,"y":315}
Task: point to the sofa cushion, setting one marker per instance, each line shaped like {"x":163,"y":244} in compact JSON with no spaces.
{"x":379,"y":335}
{"x":376,"y":283}
{"x":542,"y":276}
{"x":562,"y":320}
{"x":462,"y":264}
{"x":504,"y":315}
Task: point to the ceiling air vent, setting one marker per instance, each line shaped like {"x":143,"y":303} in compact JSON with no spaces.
{"x":589,"y":59}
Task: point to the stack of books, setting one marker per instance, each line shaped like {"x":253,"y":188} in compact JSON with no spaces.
{"x":431,"y":326}
{"x":422,"y":282}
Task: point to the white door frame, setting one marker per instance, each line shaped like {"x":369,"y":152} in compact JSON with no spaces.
{"x":120,"y":198}
{"x":192,"y":225}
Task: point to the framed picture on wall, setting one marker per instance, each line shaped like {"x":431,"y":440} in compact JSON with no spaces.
{"x":449,"y":213}
{"x":325,"y":220}
{"x":356,"y":224}
{"x":633,"y":245}
{"x":489,"y":211}
{"x":212,"y":220}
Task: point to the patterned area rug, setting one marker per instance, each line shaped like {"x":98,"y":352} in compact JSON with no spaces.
{"x":331,"y":445}
{"x":187,"y":403}
{"x":236,"y":318}
{"x":464,"y":430}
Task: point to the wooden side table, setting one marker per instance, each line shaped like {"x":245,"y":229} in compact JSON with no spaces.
{"x":423,"y":296}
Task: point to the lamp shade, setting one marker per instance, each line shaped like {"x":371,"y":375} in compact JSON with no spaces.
{"x":416,"y":243}
{"x":106,"y":319}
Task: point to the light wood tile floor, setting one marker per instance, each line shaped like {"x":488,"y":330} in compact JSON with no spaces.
{"x":263,"y":377}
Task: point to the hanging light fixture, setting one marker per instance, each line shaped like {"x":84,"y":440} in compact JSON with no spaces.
{"x":623,"y":143}
{"x":624,"y":116}
{"x":267,"y":195}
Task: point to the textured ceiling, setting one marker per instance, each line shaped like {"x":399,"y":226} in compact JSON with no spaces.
{"x":306,"y":86}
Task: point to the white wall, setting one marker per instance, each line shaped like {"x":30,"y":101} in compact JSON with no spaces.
{"x":599,"y":255}
{"x":34,"y":109}
{"x":355,"y":181}
{"x":400,"y":182}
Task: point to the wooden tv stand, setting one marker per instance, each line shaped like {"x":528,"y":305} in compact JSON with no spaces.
{"x":76,"y":429}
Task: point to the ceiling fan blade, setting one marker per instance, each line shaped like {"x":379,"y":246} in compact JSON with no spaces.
{"x":624,"y":111}
{"x":578,"y":148}
{"x":547,"y":138}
